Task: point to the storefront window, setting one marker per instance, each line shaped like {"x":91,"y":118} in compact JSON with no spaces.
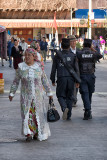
{"x":15,"y":32}
{"x":29,"y":32}
{"x":20,"y":32}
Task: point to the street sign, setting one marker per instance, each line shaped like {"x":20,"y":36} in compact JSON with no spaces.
{"x":92,"y":15}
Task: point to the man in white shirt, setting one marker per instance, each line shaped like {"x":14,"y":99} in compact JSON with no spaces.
{"x":73,"y":43}
{"x":74,"y":50}
{"x":24,"y":45}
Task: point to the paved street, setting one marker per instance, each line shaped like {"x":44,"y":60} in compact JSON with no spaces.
{"x":70,"y":140}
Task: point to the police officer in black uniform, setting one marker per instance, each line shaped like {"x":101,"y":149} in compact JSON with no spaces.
{"x":65,"y":81}
{"x":74,"y":49}
{"x":86,"y":59}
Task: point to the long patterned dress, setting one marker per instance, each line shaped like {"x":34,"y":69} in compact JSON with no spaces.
{"x":33,"y":111}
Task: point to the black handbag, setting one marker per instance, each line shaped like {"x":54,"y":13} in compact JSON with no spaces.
{"x":52,"y":113}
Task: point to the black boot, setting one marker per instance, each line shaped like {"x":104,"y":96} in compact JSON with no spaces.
{"x":65,"y":114}
{"x":87,"y":115}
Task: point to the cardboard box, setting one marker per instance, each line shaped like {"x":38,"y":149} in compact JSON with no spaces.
{"x":1,"y":89}
{"x":1,"y":81}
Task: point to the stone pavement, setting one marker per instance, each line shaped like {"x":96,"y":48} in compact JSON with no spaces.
{"x":70,"y":140}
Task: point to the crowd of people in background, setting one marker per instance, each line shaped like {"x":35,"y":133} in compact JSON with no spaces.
{"x":47,"y":48}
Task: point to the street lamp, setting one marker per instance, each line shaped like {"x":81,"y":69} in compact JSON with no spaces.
{"x":71,"y":21}
{"x":82,"y":20}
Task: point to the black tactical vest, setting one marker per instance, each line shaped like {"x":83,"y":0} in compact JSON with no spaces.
{"x":86,"y":62}
{"x":68,"y":58}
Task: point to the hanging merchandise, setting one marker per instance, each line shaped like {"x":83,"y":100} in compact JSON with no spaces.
{"x":3,"y":42}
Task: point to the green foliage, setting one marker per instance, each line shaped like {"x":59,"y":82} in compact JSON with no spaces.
{"x":78,"y":45}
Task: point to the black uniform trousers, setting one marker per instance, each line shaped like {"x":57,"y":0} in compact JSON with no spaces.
{"x":87,"y":87}
{"x":75,"y":95}
{"x":64,"y":92}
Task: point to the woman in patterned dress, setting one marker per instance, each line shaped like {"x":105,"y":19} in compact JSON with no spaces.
{"x":33,"y":111}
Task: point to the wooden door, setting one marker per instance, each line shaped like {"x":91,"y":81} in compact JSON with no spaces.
{"x":26,"y":33}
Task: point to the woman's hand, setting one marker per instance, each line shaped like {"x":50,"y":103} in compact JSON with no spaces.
{"x":10,"y":98}
{"x":50,"y":97}
{"x":53,"y":84}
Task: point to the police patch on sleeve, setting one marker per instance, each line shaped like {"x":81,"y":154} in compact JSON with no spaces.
{"x":68,"y":59}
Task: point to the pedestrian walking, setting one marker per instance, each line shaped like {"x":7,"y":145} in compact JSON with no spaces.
{"x":35,"y":45}
{"x":53,"y":45}
{"x":74,"y":49}
{"x":87,"y":58}
{"x":17,"y":54}
{"x":24,"y":46}
{"x":43,"y":48}
{"x":102,"y":43}
{"x":33,"y":111}
{"x":96,"y":43}
{"x":9,"y":47}
{"x":65,"y":81}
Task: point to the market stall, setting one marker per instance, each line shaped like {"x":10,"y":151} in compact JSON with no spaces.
{"x":3,"y":43}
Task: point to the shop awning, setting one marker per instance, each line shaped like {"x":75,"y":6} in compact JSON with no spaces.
{"x":28,"y":23}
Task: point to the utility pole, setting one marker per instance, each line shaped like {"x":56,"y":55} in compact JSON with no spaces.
{"x":89,"y":19}
{"x":71,"y":21}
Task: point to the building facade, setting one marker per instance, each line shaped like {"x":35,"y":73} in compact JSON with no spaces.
{"x":34,"y":18}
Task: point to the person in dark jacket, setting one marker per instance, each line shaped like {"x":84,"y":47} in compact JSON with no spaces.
{"x":53,"y":45}
{"x":9,"y":46}
{"x":17,"y":54}
{"x":65,"y":81}
{"x":86,"y":59}
{"x":43,"y":48}
{"x":74,"y":49}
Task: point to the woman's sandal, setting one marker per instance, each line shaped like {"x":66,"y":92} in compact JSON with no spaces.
{"x":35,"y":137}
{"x":29,"y":138}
